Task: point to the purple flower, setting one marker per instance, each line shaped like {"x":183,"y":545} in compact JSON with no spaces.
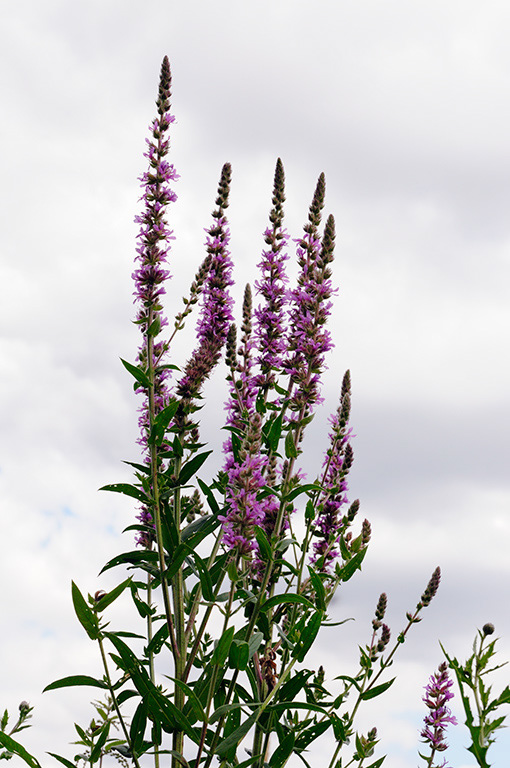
{"x":270,"y":319}
{"x":241,"y":402}
{"x":216,"y":314}
{"x":337,"y":463}
{"x":245,"y":479}
{"x":437,"y":695}
{"x":153,"y":245}
{"x":308,"y":339}
{"x":154,"y":234}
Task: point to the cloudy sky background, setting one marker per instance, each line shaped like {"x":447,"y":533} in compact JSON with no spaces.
{"x":406,"y":107}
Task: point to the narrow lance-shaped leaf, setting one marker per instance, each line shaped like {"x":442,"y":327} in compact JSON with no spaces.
{"x":85,"y":614}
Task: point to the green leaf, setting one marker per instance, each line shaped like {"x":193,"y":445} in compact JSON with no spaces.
{"x":213,"y":504}
{"x":291,"y":688}
{"x":161,"y":422}
{"x":85,"y":614}
{"x":377,"y":763}
{"x":110,"y":597}
{"x":503,"y":698}
{"x":136,"y":557}
{"x":203,"y":575}
{"x":320,"y":591}
{"x":306,"y":737}
{"x":143,"y":468}
{"x":220,"y":653}
{"x":191,"y":467}
{"x":98,"y":746}
{"x":62,"y":760}
{"x":291,"y":452}
{"x":138,"y":726}
{"x":283,"y":751}
{"x":143,"y":608}
{"x":308,"y":636}
{"x":127,"y":490}
{"x":371,"y":693}
{"x":273,"y":434}
{"x":159,"y":707}
{"x":239,"y":734}
{"x":279,"y":599}
{"x":305,"y":488}
{"x":255,"y":642}
{"x":67,"y":682}
{"x":199,"y":529}
{"x":194,"y":701}
{"x":17,"y":749}
{"x":156,"y":644}
{"x":281,"y":706}
{"x":140,"y":376}
{"x":354,"y":564}
{"x":264,"y":545}
{"x":239,"y":655}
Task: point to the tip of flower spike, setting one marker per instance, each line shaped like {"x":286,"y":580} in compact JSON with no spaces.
{"x":314,"y":215}
{"x":224,"y":188}
{"x":165,"y":82}
{"x":432,"y":587}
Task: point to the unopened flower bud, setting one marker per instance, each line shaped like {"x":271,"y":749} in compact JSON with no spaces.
{"x":380,"y":611}
{"x":366,"y":532}
{"x":432,"y":587}
{"x":488,"y":629}
{"x":24,"y":706}
{"x":99,"y":595}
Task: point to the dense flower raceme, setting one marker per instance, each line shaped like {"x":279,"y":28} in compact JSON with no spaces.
{"x":270,"y":325}
{"x":153,"y":245}
{"x":437,"y":696}
{"x":308,"y":339}
{"x":337,"y":463}
{"x":216,"y":314}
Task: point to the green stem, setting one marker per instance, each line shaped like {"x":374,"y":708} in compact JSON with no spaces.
{"x":178,"y":598}
{"x":152,"y":673}
{"x":115,"y":703}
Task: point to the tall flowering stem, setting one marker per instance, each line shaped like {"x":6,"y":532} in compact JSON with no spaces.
{"x":437,"y":696}
{"x":270,"y":318}
{"x":152,"y":250}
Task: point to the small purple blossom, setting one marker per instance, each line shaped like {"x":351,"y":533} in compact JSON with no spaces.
{"x":437,"y":696}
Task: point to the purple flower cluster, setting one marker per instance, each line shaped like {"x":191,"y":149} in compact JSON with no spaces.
{"x":437,"y":696}
{"x":154,"y":235}
{"x":216,"y":314}
{"x":270,"y":316}
{"x":241,"y":402}
{"x":337,"y":463}
{"x":153,"y":245}
{"x":309,"y":340}
{"x":245,"y":479}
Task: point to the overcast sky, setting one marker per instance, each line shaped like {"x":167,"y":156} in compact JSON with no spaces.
{"x":406,"y":108}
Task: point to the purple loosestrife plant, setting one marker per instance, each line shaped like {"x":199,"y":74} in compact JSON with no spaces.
{"x":437,"y":696}
{"x":228,"y":599}
{"x":476,"y":696}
